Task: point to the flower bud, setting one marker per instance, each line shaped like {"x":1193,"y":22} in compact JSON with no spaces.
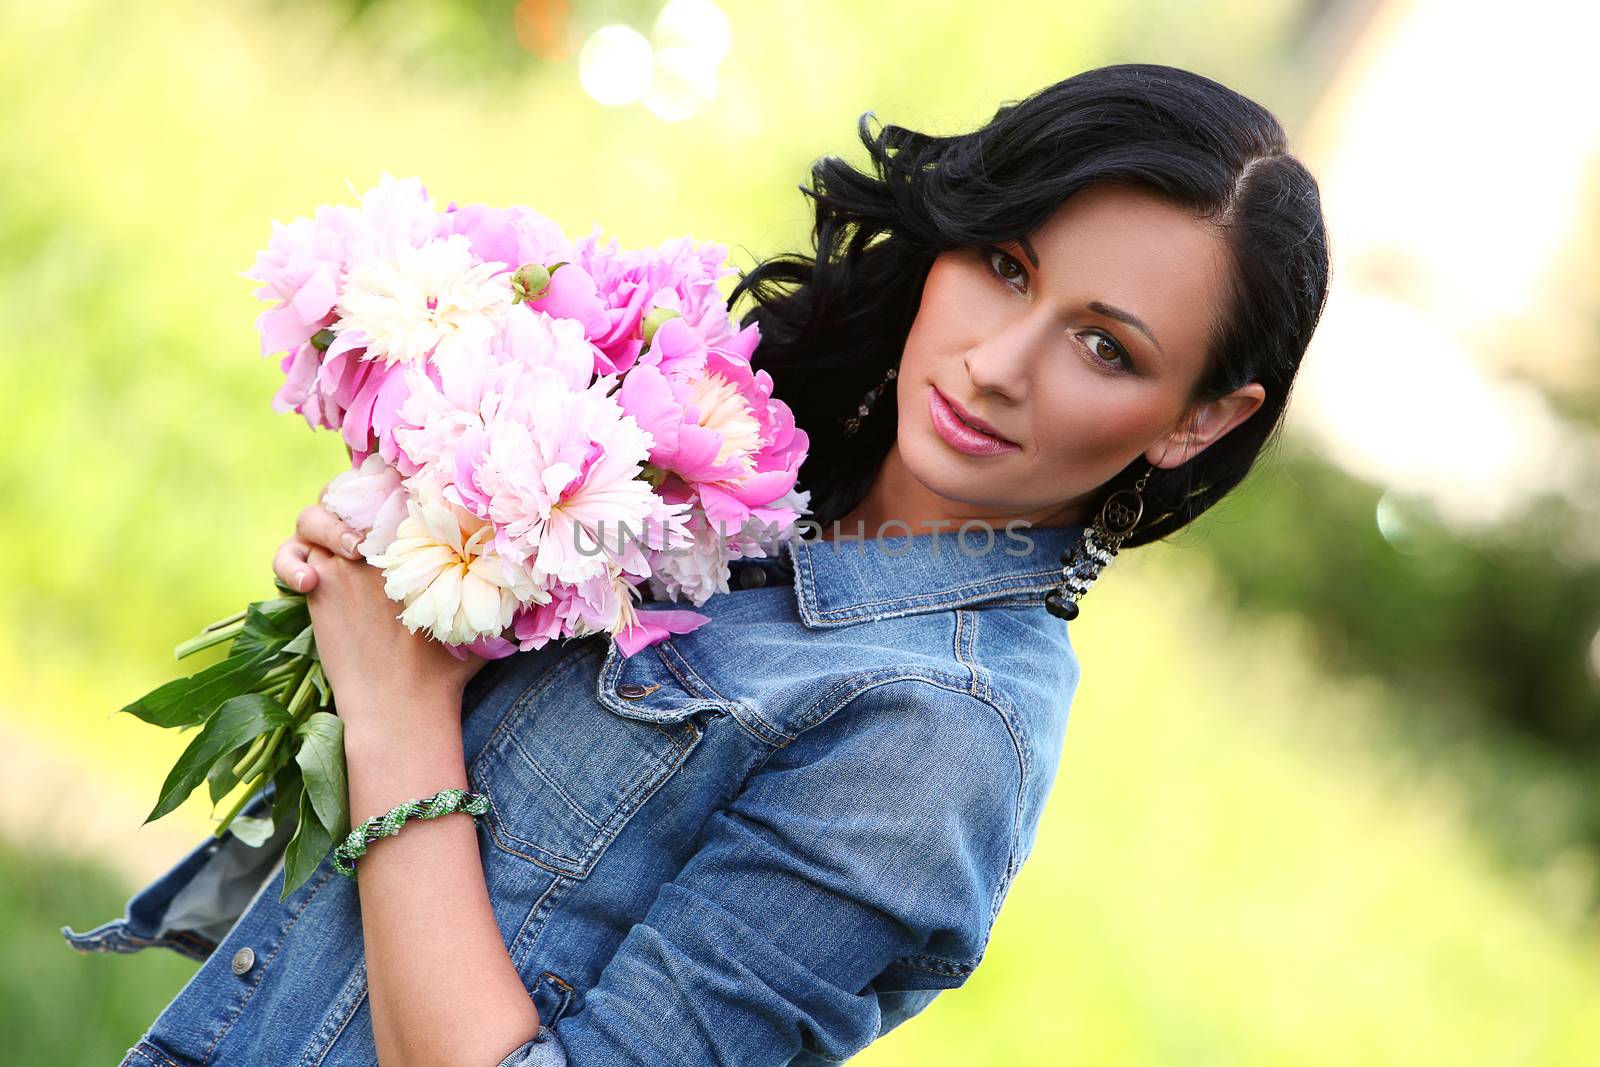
{"x":531,"y":282}
{"x":654,"y":321}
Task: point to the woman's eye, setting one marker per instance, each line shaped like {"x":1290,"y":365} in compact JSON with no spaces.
{"x":994,"y":254}
{"x":1107,"y":351}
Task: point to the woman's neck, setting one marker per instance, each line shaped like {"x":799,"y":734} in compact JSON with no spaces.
{"x":897,"y":504}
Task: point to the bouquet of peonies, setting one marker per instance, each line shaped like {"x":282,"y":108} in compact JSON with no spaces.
{"x":537,"y":428}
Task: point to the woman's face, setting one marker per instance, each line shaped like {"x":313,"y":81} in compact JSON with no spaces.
{"x":1078,"y":346}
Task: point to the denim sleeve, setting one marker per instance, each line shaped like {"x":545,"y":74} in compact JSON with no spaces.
{"x":882,"y":837}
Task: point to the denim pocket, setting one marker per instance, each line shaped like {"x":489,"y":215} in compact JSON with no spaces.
{"x":655,"y":684}
{"x":564,"y":772}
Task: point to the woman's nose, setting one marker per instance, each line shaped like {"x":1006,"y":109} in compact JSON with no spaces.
{"x":1004,"y":362}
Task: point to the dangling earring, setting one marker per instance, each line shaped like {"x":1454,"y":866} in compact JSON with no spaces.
{"x":853,"y":423}
{"x":1082,"y":563}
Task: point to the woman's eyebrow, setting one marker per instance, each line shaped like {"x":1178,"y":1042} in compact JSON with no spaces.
{"x":1097,"y":306}
{"x":1033,"y":257}
{"x":1128,"y":317}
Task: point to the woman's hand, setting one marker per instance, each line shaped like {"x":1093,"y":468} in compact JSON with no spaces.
{"x":315,"y":526}
{"x":291,"y":564}
{"x":383,"y":676}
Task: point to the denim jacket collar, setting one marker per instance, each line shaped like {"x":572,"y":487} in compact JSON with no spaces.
{"x":850,"y":580}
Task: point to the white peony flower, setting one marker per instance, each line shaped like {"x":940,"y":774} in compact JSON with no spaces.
{"x":435,"y":300}
{"x":694,"y":571}
{"x":369,"y":498}
{"x":699,"y":571}
{"x":444,"y":567}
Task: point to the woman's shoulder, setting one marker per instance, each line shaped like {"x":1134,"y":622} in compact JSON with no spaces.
{"x":806,"y":632}
{"x":996,"y":662}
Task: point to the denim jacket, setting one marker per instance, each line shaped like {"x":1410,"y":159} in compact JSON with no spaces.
{"x":767,"y":841}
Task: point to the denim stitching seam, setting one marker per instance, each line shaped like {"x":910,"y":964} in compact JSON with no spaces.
{"x":741,"y":711}
{"x":952,"y":595}
{"x":966,"y":652}
{"x":261,"y":971}
{"x":858,"y":683}
{"x":360,"y":977}
{"x":144,"y":1050}
{"x":511,"y":739}
{"x":534,"y":923}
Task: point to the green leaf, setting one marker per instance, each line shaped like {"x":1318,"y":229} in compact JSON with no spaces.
{"x":240,"y":719}
{"x":221,"y":777}
{"x":272,"y":624}
{"x":254,"y":831}
{"x":284,"y":613}
{"x":186,"y":701}
{"x":311,"y":842}
{"x":321,"y":760}
{"x":304,"y":643}
{"x":287,"y":787}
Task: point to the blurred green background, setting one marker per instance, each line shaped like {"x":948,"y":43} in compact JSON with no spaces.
{"x":1328,"y":792}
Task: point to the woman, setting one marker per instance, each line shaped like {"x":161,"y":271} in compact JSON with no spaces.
{"x":773,"y":839}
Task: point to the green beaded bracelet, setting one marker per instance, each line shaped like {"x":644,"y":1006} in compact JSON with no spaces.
{"x":388,"y":824}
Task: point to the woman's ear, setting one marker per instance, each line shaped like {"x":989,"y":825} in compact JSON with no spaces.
{"x":1205,"y":424}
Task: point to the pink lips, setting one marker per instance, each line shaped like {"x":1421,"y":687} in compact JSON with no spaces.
{"x":958,"y":435}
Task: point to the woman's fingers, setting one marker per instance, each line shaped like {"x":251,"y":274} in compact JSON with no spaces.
{"x":315,"y":528}
{"x":292,"y":564}
{"x":320,"y":526}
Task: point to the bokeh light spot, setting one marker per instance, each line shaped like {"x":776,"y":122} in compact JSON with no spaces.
{"x":615,"y":65}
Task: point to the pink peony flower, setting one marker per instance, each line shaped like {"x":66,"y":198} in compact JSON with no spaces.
{"x":522,"y":467}
{"x":301,"y":267}
{"x":618,"y":288}
{"x":510,"y":236}
{"x":715,"y":423}
{"x":650,"y":627}
{"x":560,"y":470}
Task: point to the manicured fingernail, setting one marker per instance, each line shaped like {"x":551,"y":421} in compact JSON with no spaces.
{"x":302,"y":580}
{"x":350,"y":541}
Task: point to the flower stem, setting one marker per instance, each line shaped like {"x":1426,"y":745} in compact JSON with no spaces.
{"x":304,"y":693}
{"x":283,"y":670}
{"x":237,"y":616}
{"x":279,"y":681}
{"x":250,"y":756}
{"x":238,"y":805}
{"x":264,"y":757}
{"x":218,"y":632}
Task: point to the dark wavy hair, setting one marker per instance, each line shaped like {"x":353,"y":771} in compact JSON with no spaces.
{"x":833,"y":322}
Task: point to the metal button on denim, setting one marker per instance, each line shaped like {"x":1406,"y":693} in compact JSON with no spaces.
{"x":633,"y":691}
{"x":243,"y":960}
{"x":752,"y":578}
